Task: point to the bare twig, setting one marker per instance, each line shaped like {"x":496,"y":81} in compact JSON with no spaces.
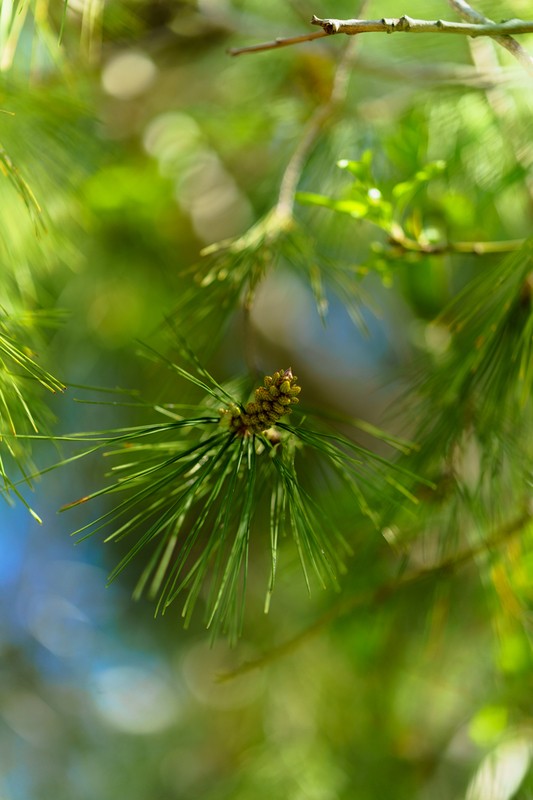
{"x":466,"y":11}
{"x":374,"y":597}
{"x":405,"y":24}
{"x":277,"y":43}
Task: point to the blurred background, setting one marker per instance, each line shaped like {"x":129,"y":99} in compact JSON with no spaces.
{"x":144,"y":142}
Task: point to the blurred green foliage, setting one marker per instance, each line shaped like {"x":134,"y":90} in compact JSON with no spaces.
{"x":143,"y":186}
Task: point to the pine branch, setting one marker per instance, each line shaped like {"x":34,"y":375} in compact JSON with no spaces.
{"x":283,"y":212}
{"x":402,"y":24}
{"x":261,"y":248}
{"x":189,"y":491}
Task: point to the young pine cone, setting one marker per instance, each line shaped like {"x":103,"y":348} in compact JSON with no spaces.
{"x":272,"y":401}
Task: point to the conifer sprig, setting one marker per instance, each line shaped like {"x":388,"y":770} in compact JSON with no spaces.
{"x":22,"y":409}
{"x":9,"y":170}
{"x":487,"y":370}
{"x":473,"y":407}
{"x":227,"y":279}
{"x":16,"y":366}
{"x":196,"y":493}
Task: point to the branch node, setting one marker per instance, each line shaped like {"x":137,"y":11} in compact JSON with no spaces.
{"x":404,"y":23}
{"x":388,"y":24}
{"x":330,"y":26}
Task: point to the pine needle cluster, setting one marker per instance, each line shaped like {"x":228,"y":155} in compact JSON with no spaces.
{"x":195,"y":491}
{"x":473,"y":408}
{"x":22,"y":409}
{"x":227,"y":278}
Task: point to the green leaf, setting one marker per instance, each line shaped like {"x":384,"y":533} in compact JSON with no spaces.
{"x":362,"y":170}
{"x":355,"y":208}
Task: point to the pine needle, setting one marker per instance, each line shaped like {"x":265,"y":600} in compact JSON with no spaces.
{"x":191,"y":501}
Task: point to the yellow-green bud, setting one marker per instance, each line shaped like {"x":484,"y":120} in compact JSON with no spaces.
{"x":272,"y":401}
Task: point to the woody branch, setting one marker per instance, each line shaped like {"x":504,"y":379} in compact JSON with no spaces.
{"x":403,"y":24}
{"x":407,"y":24}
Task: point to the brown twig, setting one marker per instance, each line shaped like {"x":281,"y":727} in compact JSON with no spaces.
{"x":275,"y":44}
{"x":482,"y":27}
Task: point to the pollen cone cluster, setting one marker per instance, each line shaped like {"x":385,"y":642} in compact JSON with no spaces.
{"x":272,"y":401}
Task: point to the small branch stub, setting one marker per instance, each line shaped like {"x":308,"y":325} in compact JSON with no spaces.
{"x":272,"y":401}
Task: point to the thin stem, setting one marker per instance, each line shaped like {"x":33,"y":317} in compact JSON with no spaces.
{"x":500,"y":31}
{"x":374,"y":597}
{"x":275,"y":44}
{"x":400,"y":240}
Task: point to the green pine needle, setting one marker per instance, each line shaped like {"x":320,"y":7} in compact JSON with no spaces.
{"x":22,"y":409}
{"x":474,"y":409}
{"x":228,"y":277}
{"x":22,"y":187}
{"x":194,"y":495}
